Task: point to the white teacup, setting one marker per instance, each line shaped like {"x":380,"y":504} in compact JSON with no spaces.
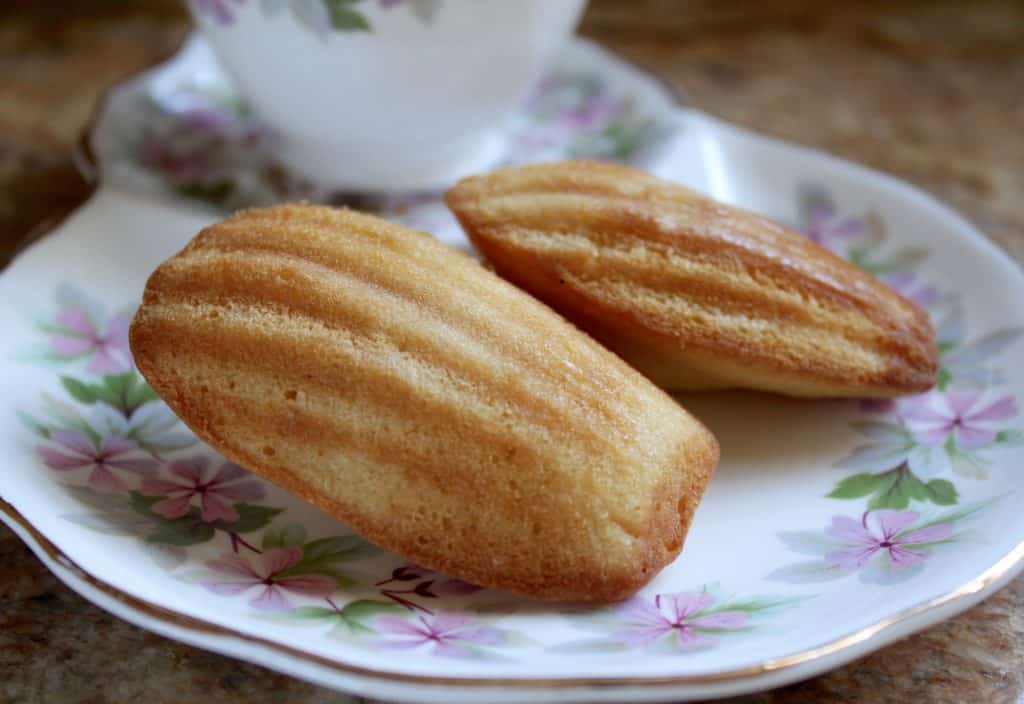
{"x":380,"y":95}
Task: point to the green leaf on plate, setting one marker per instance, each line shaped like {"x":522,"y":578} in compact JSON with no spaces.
{"x":187,"y":530}
{"x":216,"y":192}
{"x":942,"y":492}
{"x":516,"y":639}
{"x":1010,"y":437}
{"x":124,"y":392}
{"x":129,"y":390}
{"x":314,"y":612}
{"x":79,"y":390}
{"x":757,"y":604}
{"x":857,"y":486}
{"x":353,"y":619}
{"x":357,"y":613}
{"x":250,"y":517}
{"x":336,"y":549}
{"x":33,"y":425}
{"x":108,"y":513}
{"x":286,"y":536}
{"x":898,"y":487}
{"x":891,"y":492}
{"x":895,"y":489}
{"x":344,"y":17}
{"x":142,"y":504}
{"x":66,"y":416}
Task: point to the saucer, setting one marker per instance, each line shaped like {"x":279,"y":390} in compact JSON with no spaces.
{"x":830,"y":528}
{"x":182,"y":130}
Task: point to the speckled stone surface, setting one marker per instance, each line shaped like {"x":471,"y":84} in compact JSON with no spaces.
{"x":930,"y":91}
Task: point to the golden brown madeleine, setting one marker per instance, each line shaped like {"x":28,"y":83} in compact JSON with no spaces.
{"x":440,"y":411}
{"x":694,"y":293}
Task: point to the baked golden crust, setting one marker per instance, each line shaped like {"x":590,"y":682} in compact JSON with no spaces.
{"x":438,"y":410}
{"x":694,"y":293}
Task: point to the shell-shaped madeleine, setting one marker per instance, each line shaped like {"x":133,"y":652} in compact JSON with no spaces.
{"x":440,"y":411}
{"x":694,"y":293}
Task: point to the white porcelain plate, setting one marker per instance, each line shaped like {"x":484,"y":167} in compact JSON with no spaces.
{"x":830,"y":529}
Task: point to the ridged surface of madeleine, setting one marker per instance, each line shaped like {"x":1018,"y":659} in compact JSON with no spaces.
{"x":694,"y":293}
{"x":438,"y":410}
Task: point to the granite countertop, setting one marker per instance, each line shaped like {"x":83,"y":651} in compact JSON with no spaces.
{"x":930,"y":91}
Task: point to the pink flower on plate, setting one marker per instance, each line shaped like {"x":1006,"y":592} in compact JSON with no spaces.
{"x":192,"y":477}
{"x":933,"y":417}
{"x":446,"y":634}
{"x":884,"y":532}
{"x":593,"y":113}
{"x":906,"y":284}
{"x":264,"y":572}
{"x":78,"y":336}
{"x":825,"y":227}
{"x":76,"y":451}
{"x":682,"y":616}
{"x":182,"y":165}
{"x":222,"y":11}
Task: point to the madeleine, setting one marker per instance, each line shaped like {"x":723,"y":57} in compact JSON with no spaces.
{"x":694,"y":293}
{"x":441,"y":412}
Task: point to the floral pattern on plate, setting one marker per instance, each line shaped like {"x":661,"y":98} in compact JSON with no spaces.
{"x":321,"y":17}
{"x":119,"y":451}
{"x":138,"y":472}
{"x":883,"y":546}
{"x":673,"y":623}
{"x":865,"y":554}
{"x":915,"y":447}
